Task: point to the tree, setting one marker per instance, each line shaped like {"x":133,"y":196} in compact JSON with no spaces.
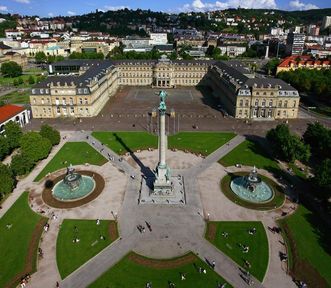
{"x":7,"y":180}
{"x":13,"y":133}
{"x":21,"y":164}
{"x":319,"y":139}
{"x":50,"y":133}
{"x":323,"y":173}
{"x":40,"y":57}
{"x":4,"y":147}
{"x":271,"y":66}
{"x":35,"y":146}
{"x":31,"y":80}
{"x":11,"y":69}
{"x":20,"y":81}
{"x":288,"y":146}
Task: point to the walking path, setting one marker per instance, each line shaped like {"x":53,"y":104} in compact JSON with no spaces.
{"x":176,"y":229}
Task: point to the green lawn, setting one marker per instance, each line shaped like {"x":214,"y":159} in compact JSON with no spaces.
{"x":70,"y":255}
{"x":74,"y":153}
{"x":310,"y":243}
{"x":196,"y":142}
{"x":17,"y":97}
{"x":129,"y":274}
{"x":258,"y":253}
{"x":15,"y":241}
{"x":199,"y":142}
{"x":250,"y":153}
{"x":122,"y":142}
{"x":7,"y":81}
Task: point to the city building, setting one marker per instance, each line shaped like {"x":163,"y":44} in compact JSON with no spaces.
{"x":82,"y":87}
{"x":295,"y":43}
{"x":158,"y":38}
{"x":326,"y":22}
{"x":243,"y":95}
{"x":232,"y":50}
{"x":313,"y":30}
{"x":13,"y":113}
{"x":305,"y":61}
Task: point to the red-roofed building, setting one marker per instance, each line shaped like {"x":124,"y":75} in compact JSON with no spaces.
{"x":14,"y":113}
{"x":298,"y":62}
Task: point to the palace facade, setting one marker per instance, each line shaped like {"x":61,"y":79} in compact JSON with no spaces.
{"x":80,"y":88}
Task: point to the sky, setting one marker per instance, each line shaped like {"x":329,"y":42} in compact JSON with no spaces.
{"x":50,"y":8}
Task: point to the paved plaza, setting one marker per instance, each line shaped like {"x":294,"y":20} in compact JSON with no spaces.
{"x":195,"y":111}
{"x":176,"y":229}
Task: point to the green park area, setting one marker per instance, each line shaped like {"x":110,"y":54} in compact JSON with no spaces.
{"x":309,"y":241}
{"x":123,"y":142}
{"x":195,"y":142}
{"x":23,"y":81}
{"x":75,"y":153}
{"x":17,"y":97}
{"x":93,"y":237}
{"x":20,"y":231}
{"x":250,"y":153}
{"x":199,"y":142}
{"x":231,"y":238}
{"x":136,"y":271}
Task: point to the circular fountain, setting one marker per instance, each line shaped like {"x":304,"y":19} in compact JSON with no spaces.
{"x":251,"y":188}
{"x":73,"y":187}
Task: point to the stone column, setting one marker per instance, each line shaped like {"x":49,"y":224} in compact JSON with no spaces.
{"x":162,"y":140}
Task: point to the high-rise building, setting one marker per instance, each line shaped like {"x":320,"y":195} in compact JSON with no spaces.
{"x":326,"y":22}
{"x":295,"y":43}
{"x":313,"y":30}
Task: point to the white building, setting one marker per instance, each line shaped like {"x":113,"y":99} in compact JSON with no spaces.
{"x":232,"y":50}
{"x":13,"y":113}
{"x":158,"y":39}
{"x":326,"y":22}
{"x":276,"y":31}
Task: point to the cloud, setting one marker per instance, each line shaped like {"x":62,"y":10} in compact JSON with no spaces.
{"x":71,"y":13}
{"x":3,"y":8}
{"x":199,"y":5}
{"x":114,"y":8}
{"x":23,"y":1}
{"x":50,"y":14}
{"x":297,"y":5}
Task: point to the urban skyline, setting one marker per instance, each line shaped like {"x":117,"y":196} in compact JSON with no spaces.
{"x":64,"y":8}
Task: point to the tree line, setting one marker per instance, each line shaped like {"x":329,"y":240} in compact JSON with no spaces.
{"x":316,"y":83}
{"x":31,"y":147}
{"x":315,"y":142}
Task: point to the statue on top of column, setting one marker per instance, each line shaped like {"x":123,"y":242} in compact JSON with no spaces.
{"x":162,"y":106}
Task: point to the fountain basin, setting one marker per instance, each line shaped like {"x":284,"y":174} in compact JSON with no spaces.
{"x":261,"y":193}
{"x":63,"y":192}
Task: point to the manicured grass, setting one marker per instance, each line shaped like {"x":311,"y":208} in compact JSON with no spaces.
{"x":297,"y":171}
{"x":74,"y":153}
{"x":17,"y":97}
{"x":276,"y":202}
{"x":7,"y":81}
{"x":71,"y":255}
{"x":249,"y":153}
{"x":258,"y":254}
{"x":123,"y":142}
{"x":128,"y":274}
{"x":196,"y":142}
{"x":199,"y":142}
{"x":16,"y":240}
{"x":309,"y":240}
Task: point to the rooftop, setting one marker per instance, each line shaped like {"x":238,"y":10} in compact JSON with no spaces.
{"x":9,"y":111}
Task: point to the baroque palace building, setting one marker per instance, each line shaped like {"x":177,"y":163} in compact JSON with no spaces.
{"x":80,"y":88}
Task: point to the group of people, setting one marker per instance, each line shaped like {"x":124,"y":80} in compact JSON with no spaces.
{"x":142,"y":229}
{"x":25,"y":280}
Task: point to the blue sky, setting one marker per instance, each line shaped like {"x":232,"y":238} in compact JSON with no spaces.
{"x":75,"y":7}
